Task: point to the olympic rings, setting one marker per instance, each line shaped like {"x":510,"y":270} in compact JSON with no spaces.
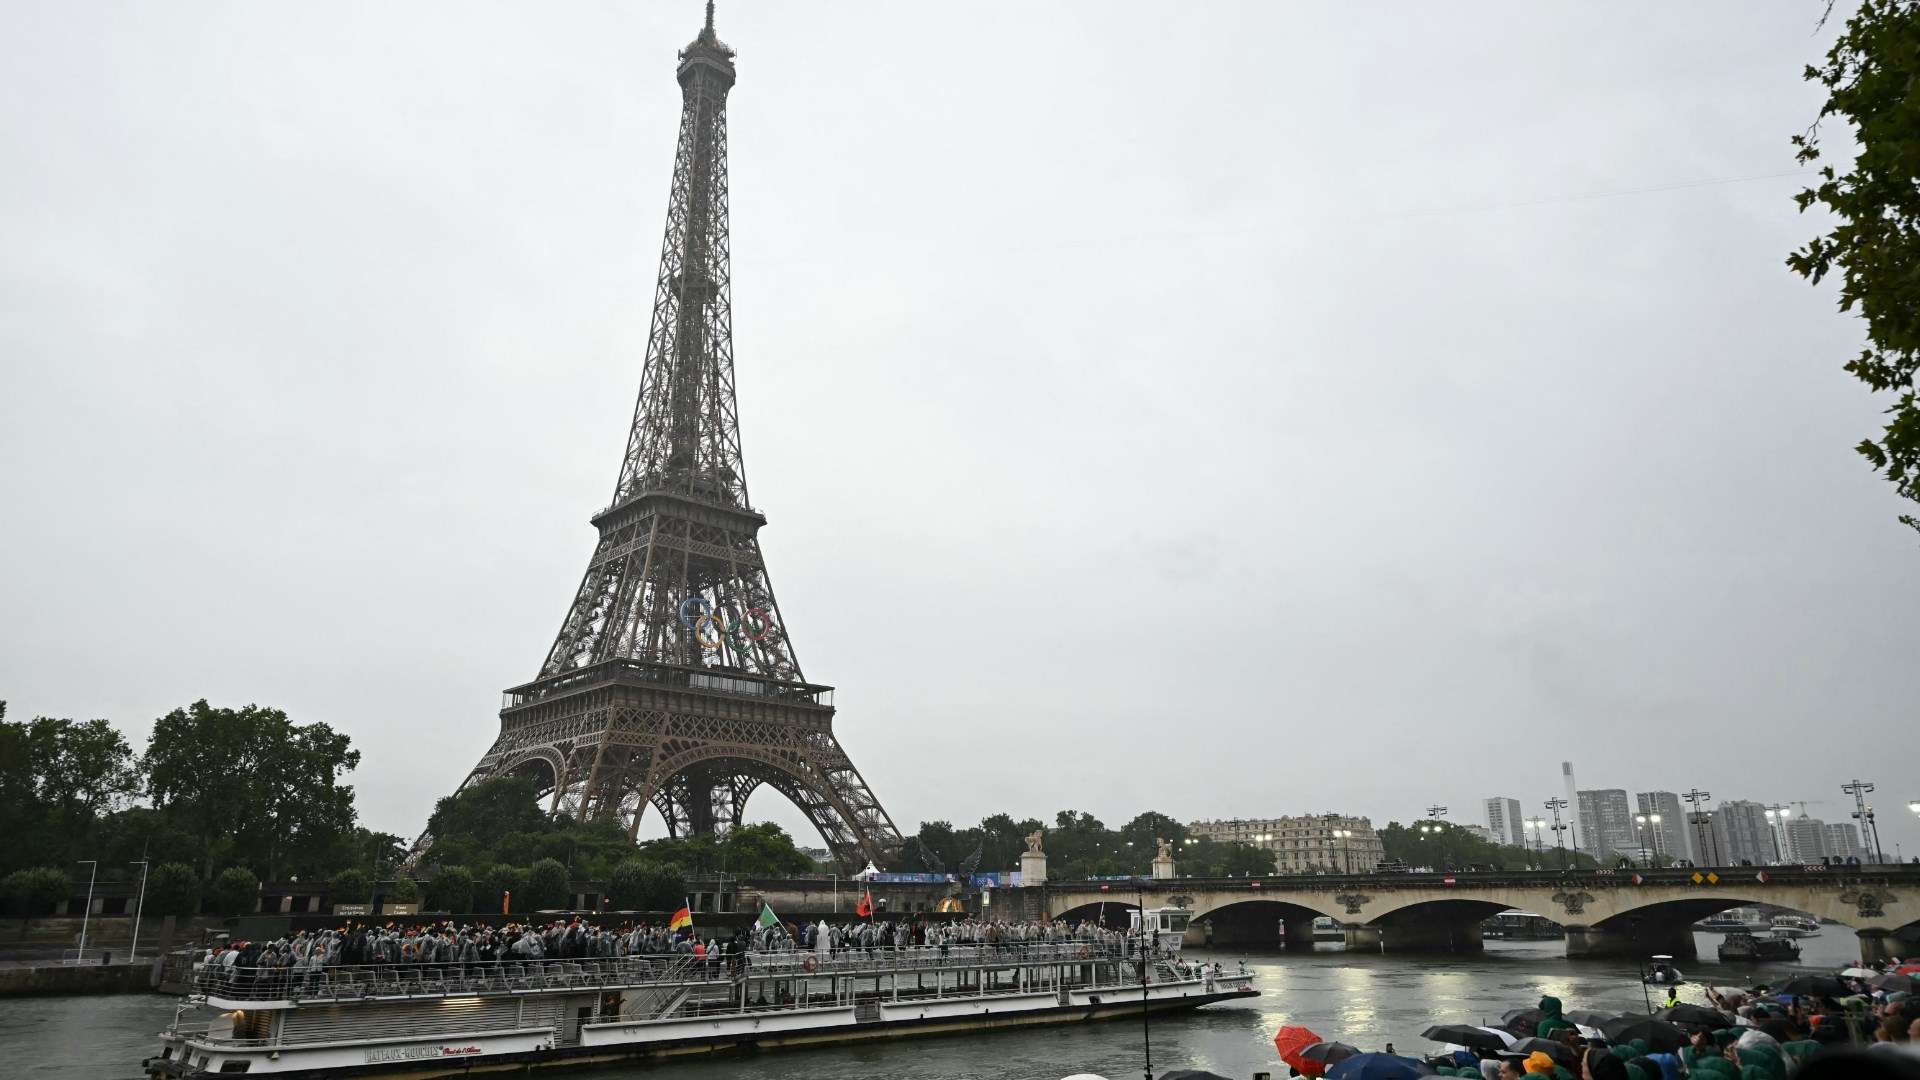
{"x":699,"y":614}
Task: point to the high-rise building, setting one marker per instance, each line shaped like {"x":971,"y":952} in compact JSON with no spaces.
{"x":1742,"y":833}
{"x":1333,"y":843}
{"x":1843,"y":841}
{"x":1669,"y":836}
{"x":1606,"y":823}
{"x":1804,"y":840}
{"x":1504,"y":821}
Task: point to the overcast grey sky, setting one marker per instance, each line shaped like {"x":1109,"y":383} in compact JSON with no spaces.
{"x":1223,"y":409}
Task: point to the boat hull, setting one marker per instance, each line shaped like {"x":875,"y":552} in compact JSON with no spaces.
{"x":990,"y":1014}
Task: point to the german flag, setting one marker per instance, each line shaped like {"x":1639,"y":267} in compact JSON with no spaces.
{"x":682,"y":919}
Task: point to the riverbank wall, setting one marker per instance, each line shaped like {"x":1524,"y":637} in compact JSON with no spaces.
{"x":52,"y":979}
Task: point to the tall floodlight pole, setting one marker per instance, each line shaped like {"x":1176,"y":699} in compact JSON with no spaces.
{"x":1538,"y":827}
{"x":86,"y":913}
{"x":139,"y":909}
{"x":1776,"y":824}
{"x":1696,"y":798}
{"x":1556,"y":805}
{"x":1863,"y":813}
{"x":1655,"y":818}
{"x":1640,"y":836}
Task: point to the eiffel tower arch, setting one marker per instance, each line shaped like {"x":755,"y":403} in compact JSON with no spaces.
{"x":673,"y":683}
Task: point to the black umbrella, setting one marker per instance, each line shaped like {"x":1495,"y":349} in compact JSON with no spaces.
{"x":1328,"y":1052}
{"x":1659,"y":1034}
{"x":1687,"y":1014}
{"x":1560,"y":1052}
{"x":1522,"y":1022}
{"x":1893,"y":984}
{"x":1466,"y":1035}
{"x":1591,"y":1017}
{"x":1813,"y":986}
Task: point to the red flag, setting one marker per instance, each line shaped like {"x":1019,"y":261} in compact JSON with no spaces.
{"x":865,"y":908}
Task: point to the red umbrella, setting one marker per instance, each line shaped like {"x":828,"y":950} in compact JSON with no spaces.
{"x":1290,"y":1041}
{"x":1907,"y":969}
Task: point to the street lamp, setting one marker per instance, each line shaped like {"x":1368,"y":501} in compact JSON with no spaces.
{"x":1655,"y":830}
{"x":1346,"y":853}
{"x":1539,"y":828}
{"x":1640,"y":834}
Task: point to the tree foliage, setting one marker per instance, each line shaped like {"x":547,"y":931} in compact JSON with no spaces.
{"x":451,"y":889}
{"x":1079,"y":845}
{"x":492,"y":886}
{"x":35,"y":892}
{"x":236,"y":891}
{"x":1453,"y":847}
{"x":249,"y":781}
{"x":1869,"y":75}
{"x":173,"y":889}
{"x":352,"y":886}
{"x":549,"y":885}
{"x":646,"y":885}
{"x":58,"y":779}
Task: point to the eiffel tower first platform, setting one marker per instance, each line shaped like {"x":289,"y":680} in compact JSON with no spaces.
{"x":673,"y":682}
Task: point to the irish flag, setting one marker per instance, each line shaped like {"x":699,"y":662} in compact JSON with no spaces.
{"x":682,"y":919}
{"x":767,"y":917}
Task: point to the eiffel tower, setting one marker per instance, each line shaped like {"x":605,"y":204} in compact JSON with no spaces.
{"x":673,"y":682}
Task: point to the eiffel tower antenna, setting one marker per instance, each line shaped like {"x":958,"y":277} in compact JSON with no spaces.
{"x":672,"y":682}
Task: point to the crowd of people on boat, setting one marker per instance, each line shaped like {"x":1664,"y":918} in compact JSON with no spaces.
{"x":449,"y":944}
{"x":831,"y":937}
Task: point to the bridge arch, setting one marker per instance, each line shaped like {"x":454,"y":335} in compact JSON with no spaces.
{"x":1256,"y":920}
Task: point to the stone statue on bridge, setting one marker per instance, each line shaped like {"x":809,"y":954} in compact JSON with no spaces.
{"x":1166,"y":849}
{"x":1033,"y":841}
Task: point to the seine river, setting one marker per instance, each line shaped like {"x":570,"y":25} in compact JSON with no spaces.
{"x":1367,"y":1000}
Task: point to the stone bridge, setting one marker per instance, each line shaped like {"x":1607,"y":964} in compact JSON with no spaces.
{"x":1605,"y":912}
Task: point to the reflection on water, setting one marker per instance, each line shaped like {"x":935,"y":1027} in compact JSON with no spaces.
{"x":1368,"y":1000}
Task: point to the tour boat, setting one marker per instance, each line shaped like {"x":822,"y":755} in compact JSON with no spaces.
{"x":1795,"y":926}
{"x":423,"y":1021}
{"x":1167,"y":924}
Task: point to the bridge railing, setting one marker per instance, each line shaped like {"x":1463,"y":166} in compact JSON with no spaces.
{"x":1604,"y":877}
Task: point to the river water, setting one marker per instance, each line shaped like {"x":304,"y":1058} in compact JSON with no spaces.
{"x":1364,"y":999}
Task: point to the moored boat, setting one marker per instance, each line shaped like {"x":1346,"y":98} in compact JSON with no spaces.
{"x":1740,"y":947}
{"x":423,"y":1021}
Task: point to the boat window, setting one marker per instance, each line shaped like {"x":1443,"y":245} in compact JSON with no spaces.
{"x":235,"y":1066}
{"x":1177,"y":921}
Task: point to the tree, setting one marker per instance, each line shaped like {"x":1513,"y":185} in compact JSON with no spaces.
{"x":36,"y":892}
{"x":173,"y":889}
{"x":1869,"y":75}
{"x":492,"y":885}
{"x":57,"y":779}
{"x":451,"y":890}
{"x":403,"y":891}
{"x":645,"y":885}
{"x":549,"y":885}
{"x":236,"y":891}
{"x":350,"y":887}
{"x":487,"y":811}
{"x":250,"y":780}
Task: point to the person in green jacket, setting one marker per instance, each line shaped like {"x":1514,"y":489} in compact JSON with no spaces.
{"x":1550,"y":1019}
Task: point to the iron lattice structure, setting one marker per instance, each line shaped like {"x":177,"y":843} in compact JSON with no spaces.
{"x":673,"y":682}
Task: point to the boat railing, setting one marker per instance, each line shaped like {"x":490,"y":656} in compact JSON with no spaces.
{"x":355,"y":982}
{"x":360,"y":981}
